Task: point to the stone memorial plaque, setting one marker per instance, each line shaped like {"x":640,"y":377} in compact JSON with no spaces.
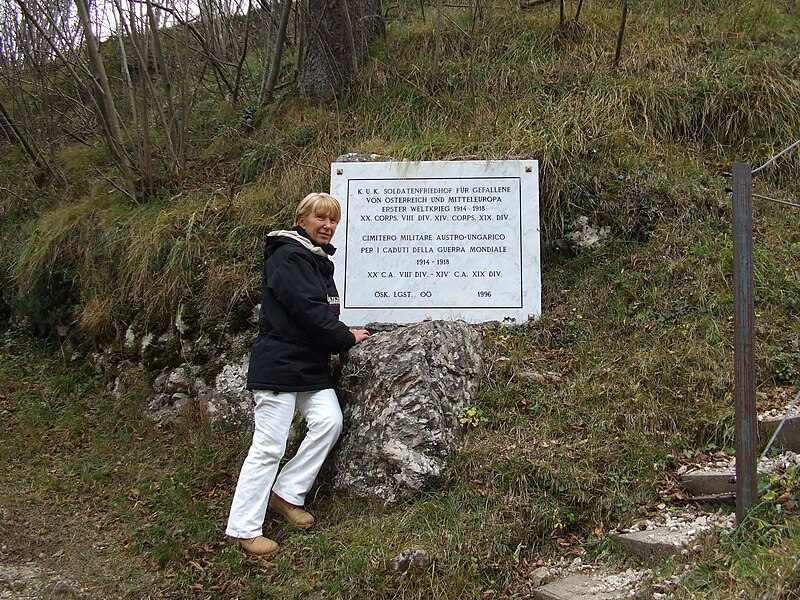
{"x":441,"y":240}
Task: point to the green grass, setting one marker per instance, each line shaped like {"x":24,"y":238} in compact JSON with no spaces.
{"x":589,"y":412}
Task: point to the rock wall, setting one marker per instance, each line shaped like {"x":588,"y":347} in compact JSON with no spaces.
{"x":402,"y":391}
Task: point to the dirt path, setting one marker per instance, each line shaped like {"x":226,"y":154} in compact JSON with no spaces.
{"x":31,"y":582}
{"x":56,"y":556}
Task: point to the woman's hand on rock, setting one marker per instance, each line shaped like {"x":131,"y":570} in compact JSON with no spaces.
{"x":359,"y":334}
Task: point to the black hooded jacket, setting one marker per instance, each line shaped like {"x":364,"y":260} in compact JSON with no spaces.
{"x":298,"y":326}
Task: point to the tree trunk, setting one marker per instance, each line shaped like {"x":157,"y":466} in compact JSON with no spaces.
{"x":269,"y":86}
{"x":339,"y":35}
{"x":109,"y":114}
{"x":301,"y":35}
{"x":243,"y":54}
{"x":578,"y":11}
{"x":437,"y":48}
{"x":14,"y":134}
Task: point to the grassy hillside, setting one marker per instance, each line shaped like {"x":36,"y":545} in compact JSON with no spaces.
{"x":586,"y":414}
{"x":698,"y":86}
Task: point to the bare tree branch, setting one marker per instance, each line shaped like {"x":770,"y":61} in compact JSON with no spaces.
{"x":216,"y":63}
{"x":106,"y":101}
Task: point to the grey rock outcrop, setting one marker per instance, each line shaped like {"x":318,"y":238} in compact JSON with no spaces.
{"x":214,"y":388}
{"x":174,"y":392}
{"x":227,"y":401}
{"x":403,"y":392}
{"x":410,"y":561}
{"x":586,"y":236}
{"x":359,"y":157}
{"x":224,"y":400}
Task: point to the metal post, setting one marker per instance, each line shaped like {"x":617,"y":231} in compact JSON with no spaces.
{"x":744,"y":354}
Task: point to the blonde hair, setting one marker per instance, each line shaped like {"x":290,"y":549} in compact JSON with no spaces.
{"x":318,"y":203}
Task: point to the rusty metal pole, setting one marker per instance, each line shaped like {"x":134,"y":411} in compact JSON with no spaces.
{"x":744,"y":352}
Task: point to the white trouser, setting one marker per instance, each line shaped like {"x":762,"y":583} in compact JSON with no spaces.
{"x":273,"y":418}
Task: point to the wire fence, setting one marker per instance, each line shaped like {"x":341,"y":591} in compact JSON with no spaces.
{"x":786,"y":150}
{"x":762,"y":490}
{"x":790,"y":408}
{"x":776,"y":157}
{"x":785,"y":202}
{"x":742,"y":194}
{"x":769,"y":162}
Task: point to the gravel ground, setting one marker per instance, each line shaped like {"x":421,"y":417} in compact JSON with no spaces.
{"x":768,"y":464}
{"x":689,"y":520}
{"x":30,"y":582}
{"x":781,"y":403}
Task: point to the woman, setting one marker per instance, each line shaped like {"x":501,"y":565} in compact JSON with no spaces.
{"x":299,"y":329}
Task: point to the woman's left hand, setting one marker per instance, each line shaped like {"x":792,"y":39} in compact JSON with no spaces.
{"x":359,"y":334}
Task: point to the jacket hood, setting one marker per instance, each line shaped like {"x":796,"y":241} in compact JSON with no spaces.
{"x":298,"y":235}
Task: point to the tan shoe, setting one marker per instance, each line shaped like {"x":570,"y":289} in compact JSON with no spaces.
{"x":258,"y":546}
{"x":294,"y":514}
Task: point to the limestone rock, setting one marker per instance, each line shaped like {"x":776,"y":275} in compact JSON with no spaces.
{"x":30,"y":581}
{"x":586,"y":236}
{"x":181,"y":380}
{"x":228,"y":402}
{"x":225,"y":400}
{"x":358,"y":157}
{"x":402,"y":393}
{"x":174,"y":393}
{"x":410,"y":561}
{"x":542,"y":576}
{"x":130,"y":376}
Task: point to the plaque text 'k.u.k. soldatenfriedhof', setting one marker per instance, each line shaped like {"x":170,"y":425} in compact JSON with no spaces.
{"x":442,"y":240}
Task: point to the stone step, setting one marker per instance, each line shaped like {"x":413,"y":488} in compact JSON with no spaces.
{"x":597,"y":584}
{"x":652,"y":545}
{"x":709,"y":482}
{"x":789,"y":436}
{"x":655,"y":541}
{"x":719,"y":479}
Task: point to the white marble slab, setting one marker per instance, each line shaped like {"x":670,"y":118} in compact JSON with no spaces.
{"x":441,"y":240}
